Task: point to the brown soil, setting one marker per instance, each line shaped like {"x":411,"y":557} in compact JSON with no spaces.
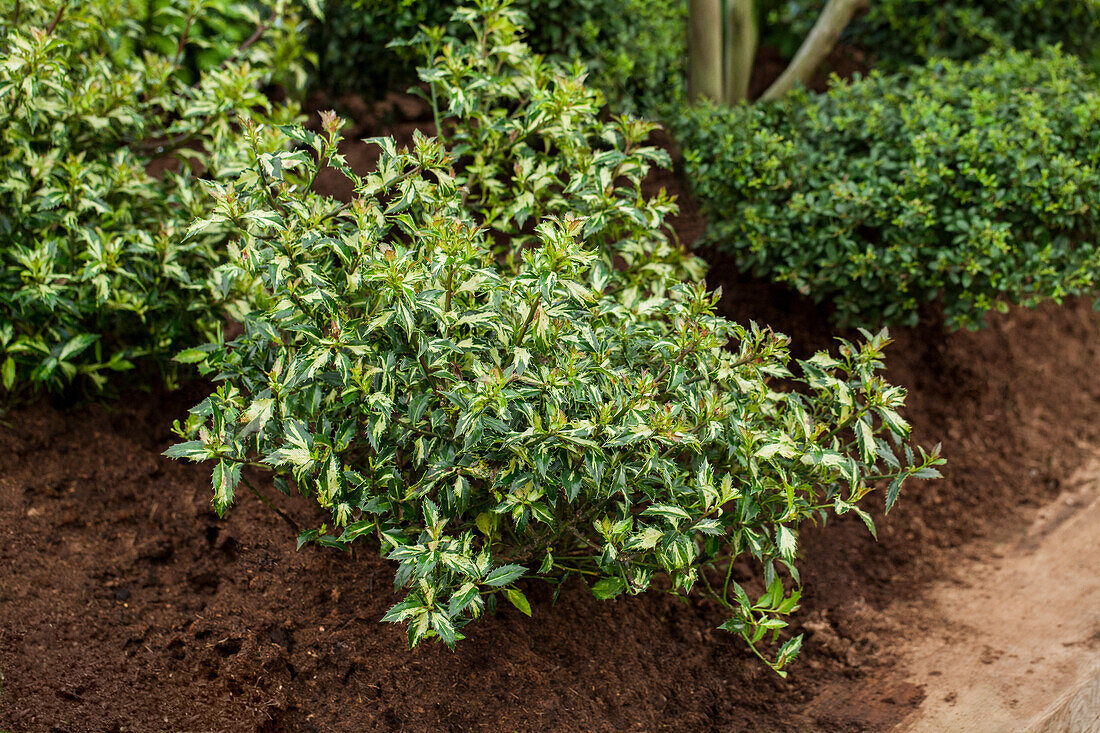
{"x":127,"y":605}
{"x":844,"y":61}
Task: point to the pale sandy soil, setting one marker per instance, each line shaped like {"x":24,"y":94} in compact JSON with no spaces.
{"x":1012,"y":643}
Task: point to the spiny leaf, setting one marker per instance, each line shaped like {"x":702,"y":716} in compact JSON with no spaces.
{"x":504,"y":575}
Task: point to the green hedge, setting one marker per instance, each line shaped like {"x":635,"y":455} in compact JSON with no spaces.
{"x":635,"y":49}
{"x":901,"y":32}
{"x":973,"y":183}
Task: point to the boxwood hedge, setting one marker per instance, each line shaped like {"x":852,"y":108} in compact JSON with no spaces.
{"x":972,"y":183}
{"x":902,"y":32}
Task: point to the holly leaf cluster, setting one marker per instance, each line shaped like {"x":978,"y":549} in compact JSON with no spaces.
{"x":530,"y":142}
{"x":492,"y":406}
{"x":103,"y":141}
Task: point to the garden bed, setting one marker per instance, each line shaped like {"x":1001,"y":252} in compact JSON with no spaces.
{"x":126,"y":604}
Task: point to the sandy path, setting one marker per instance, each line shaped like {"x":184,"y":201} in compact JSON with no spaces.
{"x":1016,"y":646}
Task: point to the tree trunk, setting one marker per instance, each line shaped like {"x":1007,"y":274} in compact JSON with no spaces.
{"x":820,"y":41}
{"x":742,"y":35}
{"x":705,"y":49}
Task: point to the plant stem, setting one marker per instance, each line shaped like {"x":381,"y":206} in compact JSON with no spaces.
{"x":57,"y":18}
{"x":335,"y":212}
{"x":275,"y":203}
{"x":256,"y":35}
{"x":183,"y":40}
{"x":270,"y":505}
{"x":435,"y":114}
{"x":726,"y":585}
{"x":819,"y":42}
{"x":527,"y":323}
{"x":450,"y":289}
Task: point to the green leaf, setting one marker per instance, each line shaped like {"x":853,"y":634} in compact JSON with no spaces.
{"x":442,"y":625}
{"x":788,"y":604}
{"x":281,"y":485}
{"x":484,"y":523}
{"x":893,"y":421}
{"x":787,"y":541}
{"x":608,"y":588}
{"x":735,"y":625}
{"x":504,"y":575}
{"x":673,"y":514}
{"x":927,"y":472}
{"x":224,"y":480}
{"x":197,"y":226}
{"x":788,"y":651}
{"x":9,"y":373}
{"x":356,"y":529}
{"x":418,"y":628}
{"x":463,"y":598}
{"x":646,"y":539}
{"x":893,"y":491}
{"x":76,"y":345}
{"x":522,"y":359}
{"x":403,"y":610}
{"x":258,"y":414}
{"x":191,"y":356}
{"x":193,"y":449}
{"x":518,"y":600}
{"x":307,"y":536}
{"x":865,"y":439}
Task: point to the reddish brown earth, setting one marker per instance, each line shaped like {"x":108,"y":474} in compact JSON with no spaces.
{"x":127,"y":605}
{"x":844,"y":61}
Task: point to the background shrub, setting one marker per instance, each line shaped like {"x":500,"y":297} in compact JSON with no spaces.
{"x":490,"y":403}
{"x":975,"y":183}
{"x":351,"y":43}
{"x":215,"y":29}
{"x":633,"y":49}
{"x":901,"y":32}
{"x":531,"y":142}
{"x":100,"y":153}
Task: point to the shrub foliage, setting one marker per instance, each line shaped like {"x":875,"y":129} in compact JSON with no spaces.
{"x":633,"y":49}
{"x":531,"y":143}
{"x":901,"y":32}
{"x":94,"y":272}
{"x":493,"y":402}
{"x":972,"y":183}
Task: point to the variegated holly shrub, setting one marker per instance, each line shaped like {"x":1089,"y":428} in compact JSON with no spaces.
{"x":497,"y":394}
{"x":104,"y":134}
